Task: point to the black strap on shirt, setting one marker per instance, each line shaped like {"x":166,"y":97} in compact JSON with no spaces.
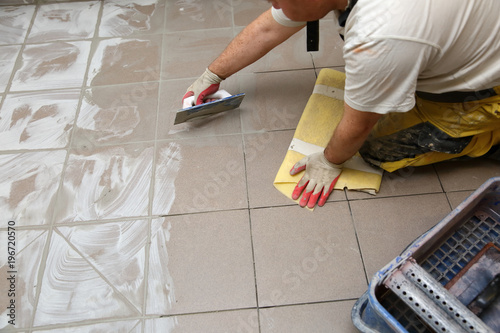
{"x":345,"y":14}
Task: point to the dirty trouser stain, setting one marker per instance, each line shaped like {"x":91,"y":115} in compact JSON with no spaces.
{"x":433,"y":132}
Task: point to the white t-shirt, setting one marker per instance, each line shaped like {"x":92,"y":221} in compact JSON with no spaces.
{"x":396,"y":47}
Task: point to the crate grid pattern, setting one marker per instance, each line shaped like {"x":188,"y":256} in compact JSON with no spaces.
{"x":449,"y":259}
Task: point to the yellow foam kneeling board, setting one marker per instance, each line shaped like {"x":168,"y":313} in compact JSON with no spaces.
{"x":321,"y":116}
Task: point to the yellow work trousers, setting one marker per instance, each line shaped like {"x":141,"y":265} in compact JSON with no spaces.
{"x":433,"y":132}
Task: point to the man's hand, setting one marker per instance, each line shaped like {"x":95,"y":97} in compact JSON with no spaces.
{"x":319,"y":179}
{"x":205,"y":85}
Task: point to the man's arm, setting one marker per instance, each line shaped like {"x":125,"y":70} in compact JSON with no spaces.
{"x":323,"y":169}
{"x":251,"y":44}
{"x":350,"y":134}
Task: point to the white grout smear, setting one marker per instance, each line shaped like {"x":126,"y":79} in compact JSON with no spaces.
{"x":52,"y":66}
{"x":14,"y":23}
{"x":124,"y":17}
{"x":28,"y":185}
{"x":168,"y":165}
{"x":104,"y":183}
{"x":161,"y":292}
{"x":65,"y":21}
{"x":38,"y":120}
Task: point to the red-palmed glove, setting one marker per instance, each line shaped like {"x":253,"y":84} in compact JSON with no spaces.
{"x":207,"y":84}
{"x":319,"y":179}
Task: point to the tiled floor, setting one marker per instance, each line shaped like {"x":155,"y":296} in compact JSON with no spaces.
{"x":126,"y":223}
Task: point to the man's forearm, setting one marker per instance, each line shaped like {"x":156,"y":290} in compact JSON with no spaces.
{"x":255,"y":41}
{"x":350,"y":134}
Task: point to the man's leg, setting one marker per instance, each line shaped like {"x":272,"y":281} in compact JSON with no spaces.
{"x":403,"y":139}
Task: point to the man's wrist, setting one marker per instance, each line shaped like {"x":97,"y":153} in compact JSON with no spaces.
{"x":331,"y":158}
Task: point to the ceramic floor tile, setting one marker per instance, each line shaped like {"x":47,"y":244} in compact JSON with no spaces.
{"x":290,"y":55}
{"x":17,"y":2}
{"x":28,"y":185}
{"x":245,"y":11}
{"x":407,"y":181}
{"x":275,"y":100}
{"x":116,"y":251}
{"x":129,"y":326}
{"x":65,"y":21}
{"x":264,"y":153}
{"x":215,"y":322}
{"x":8,"y":56}
{"x":200,"y":175}
{"x":322,"y":317}
{"x":303,"y":256}
{"x":456,"y":198}
{"x":466,"y":175}
{"x":131,"y":17}
{"x":14,"y":22}
{"x":38,"y":120}
{"x":125,"y":60}
{"x":209,"y":260}
{"x":117,"y":114}
{"x":171,"y":94}
{"x":52,"y":66}
{"x":72,"y":290}
{"x":386,"y":226}
{"x":330,"y":46}
{"x":106,"y":182}
{"x":29,"y":245}
{"x":187,"y":54}
{"x":184,"y":15}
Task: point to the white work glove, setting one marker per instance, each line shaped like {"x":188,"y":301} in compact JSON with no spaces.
{"x":207,"y":84}
{"x":319,"y":179}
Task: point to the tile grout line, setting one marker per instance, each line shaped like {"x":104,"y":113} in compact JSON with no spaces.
{"x":46,"y":250}
{"x":19,"y":57}
{"x":102,"y":276}
{"x":44,"y":256}
{"x":153,"y":181}
{"x":358,"y":241}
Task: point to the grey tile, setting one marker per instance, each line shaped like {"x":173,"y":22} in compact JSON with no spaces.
{"x":386,"y":226}
{"x":275,"y":100}
{"x":290,"y":55}
{"x":116,"y":251}
{"x":29,"y":183}
{"x":187,"y":54}
{"x":38,"y":120}
{"x":117,"y":114}
{"x":72,"y":290}
{"x":8,"y":57}
{"x":466,"y":175}
{"x":171,"y":95}
{"x":129,"y":326}
{"x":200,"y":175}
{"x":125,"y":60}
{"x":214,"y":322}
{"x":20,"y":274}
{"x":407,"y":181}
{"x":247,"y":11}
{"x":17,"y":2}
{"x":303,"y":256}
{"x":330,"y":47}
{"x":264,"y":153}
{"x":106,"y":182}
{"x":131,"y":17}
{"x":65,"y":21}
{"x":323,"y":317}
{"x":52,"y":66}
{"x":204,"y":264}
{"x":456,"y":198}
{"x":188,"y":15}
{"x":14,"y":23}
